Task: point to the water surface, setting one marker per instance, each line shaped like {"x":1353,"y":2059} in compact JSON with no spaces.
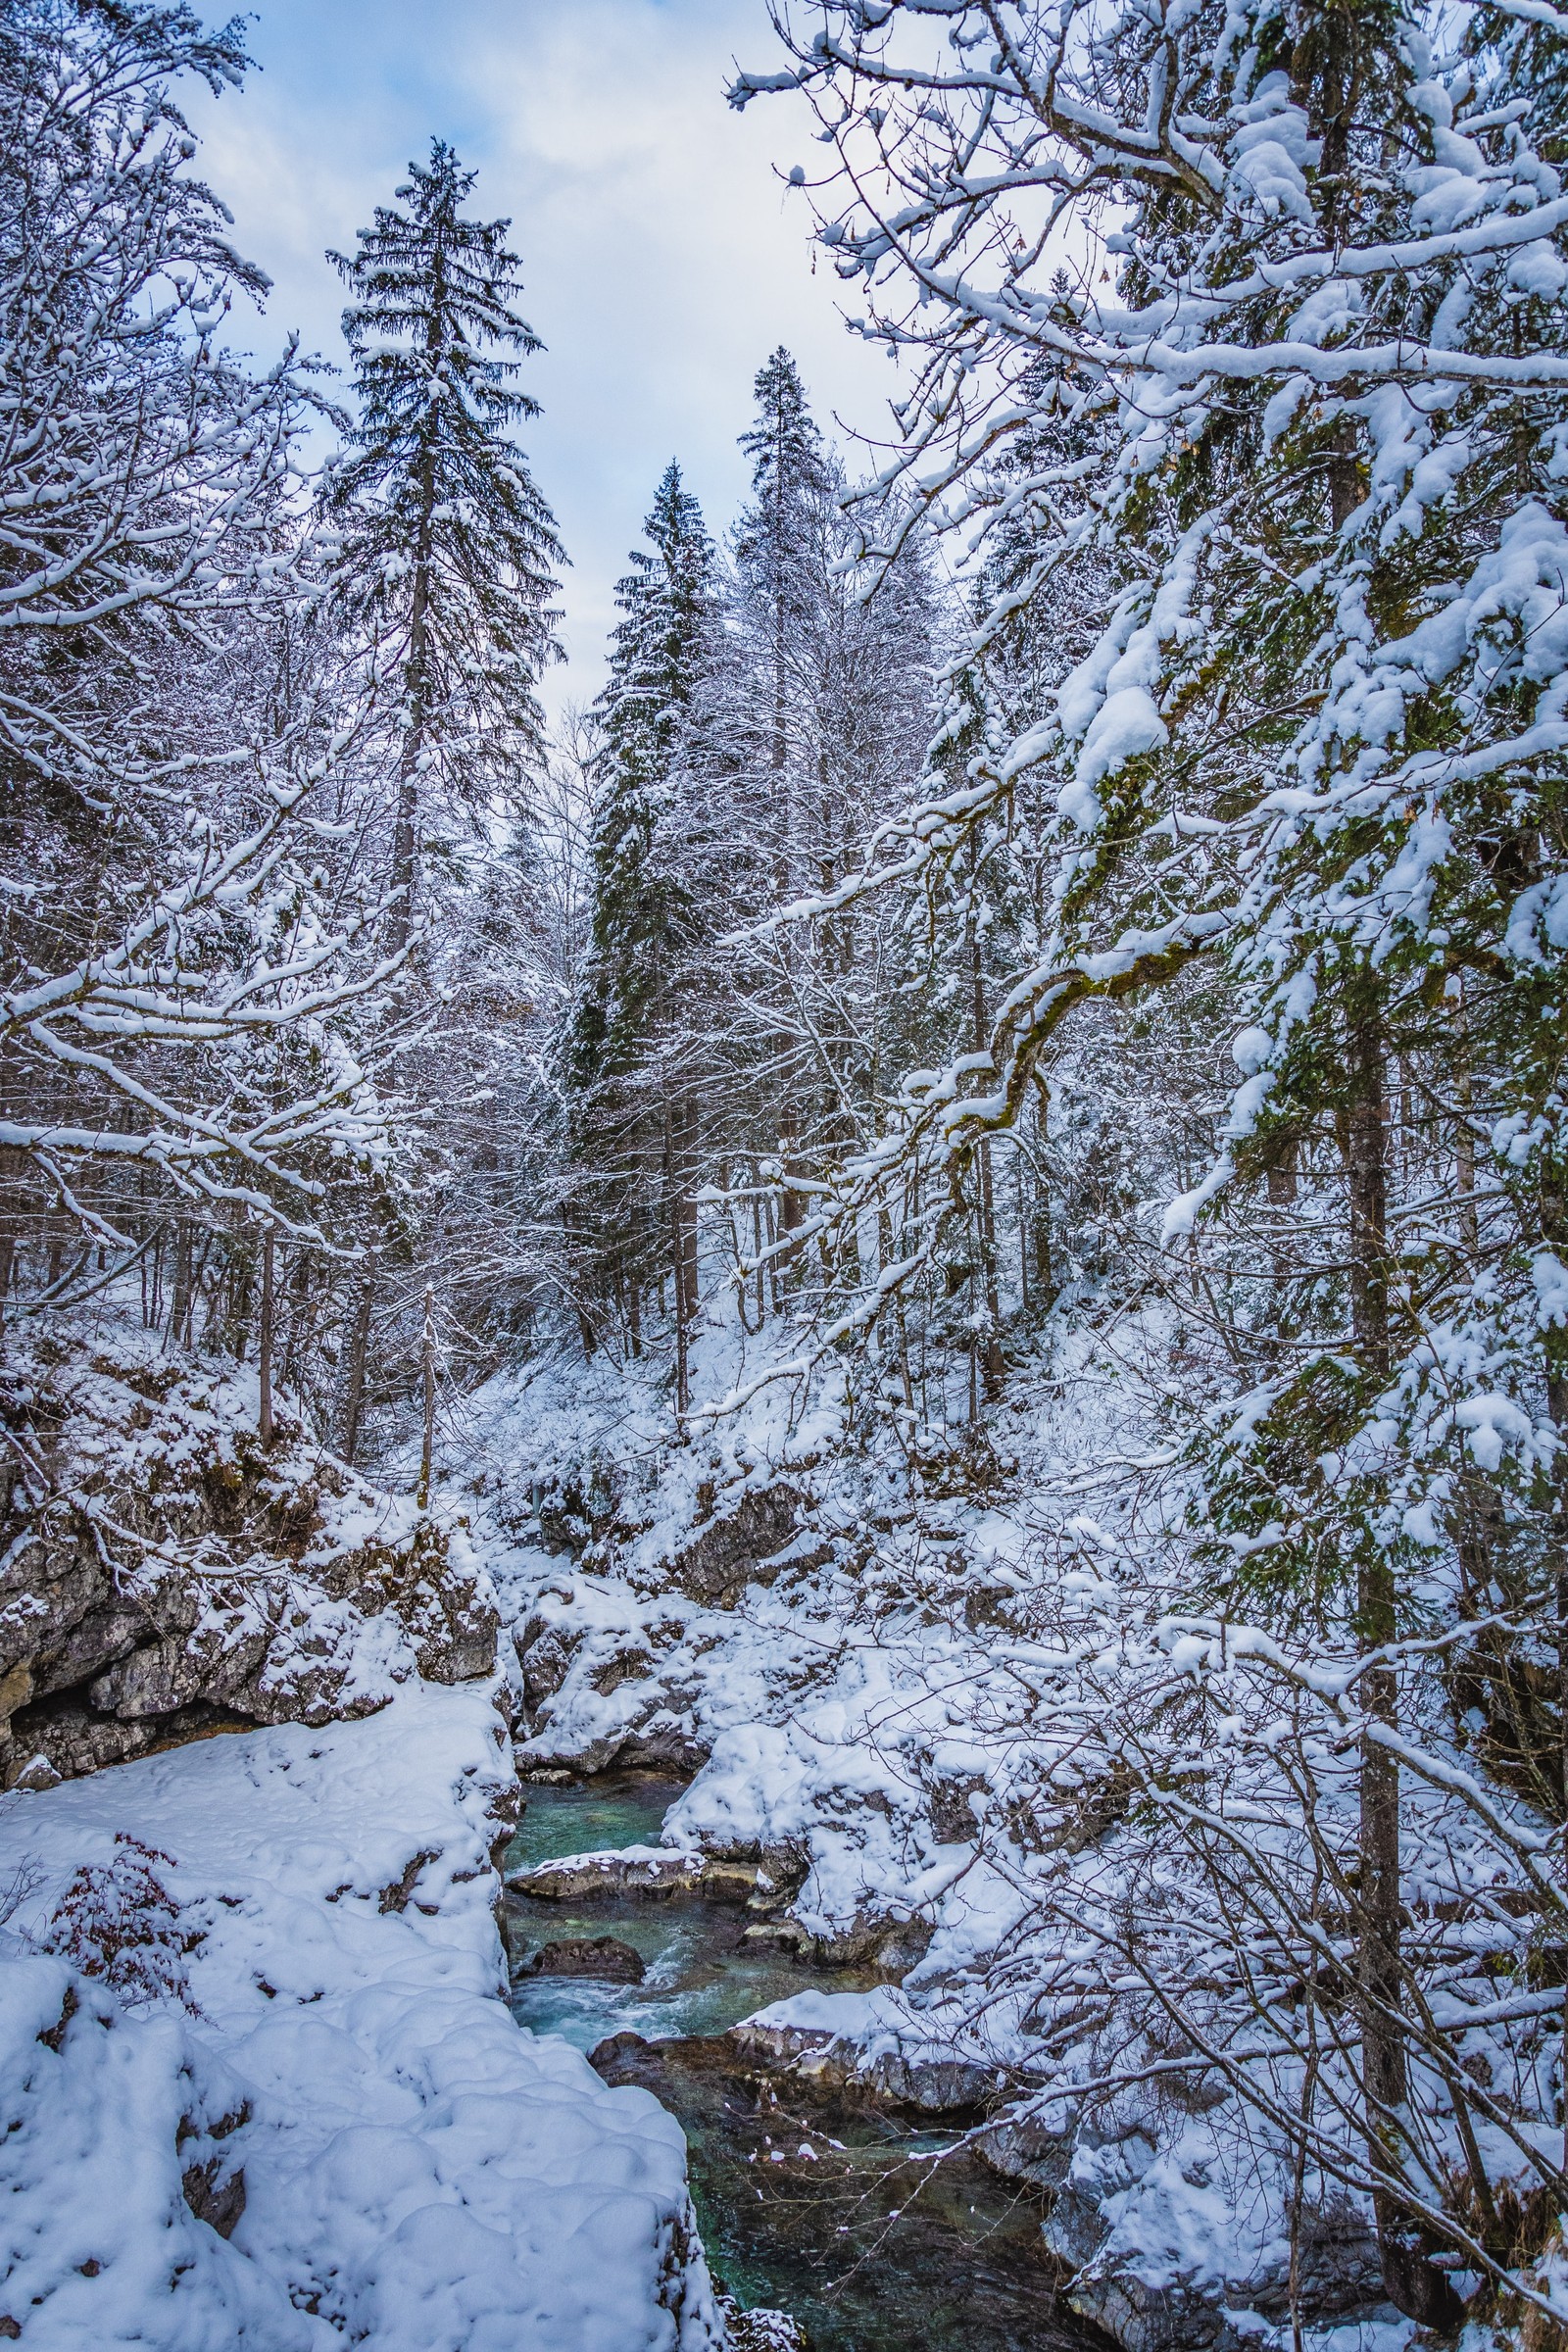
{"x":702,"y":1975}
{"x":861,"y":2227}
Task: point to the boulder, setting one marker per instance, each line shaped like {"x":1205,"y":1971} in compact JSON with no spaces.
{"x":816,"y":2057}
{"x":1147,"y":2319}
{"x":604,"y":1956}
{"x":654,"y":1870}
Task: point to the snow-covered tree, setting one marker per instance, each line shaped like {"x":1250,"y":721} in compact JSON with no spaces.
{"x":1314,"y":747}
{"x":658,"y":655}
{"x":170,"y":930}
{"x":630,"y":1098}
{"x":448,"y":548}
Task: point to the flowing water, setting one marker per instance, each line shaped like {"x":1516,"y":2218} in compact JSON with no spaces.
{"x":701,"y":1976}
{"x":842,"y":2217}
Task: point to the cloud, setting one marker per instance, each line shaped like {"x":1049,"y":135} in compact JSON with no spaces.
{"x":663,"y":255}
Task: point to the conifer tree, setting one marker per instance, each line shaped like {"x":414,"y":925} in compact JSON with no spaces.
{"x":788,"y":476}
{"x":669,"y":604}
{"x":780,"y":535}
{"x":634,"y":1119}
{"x":448,"y":546}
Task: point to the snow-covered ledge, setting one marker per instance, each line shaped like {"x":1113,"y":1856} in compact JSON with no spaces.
{"x":258,"y":2085}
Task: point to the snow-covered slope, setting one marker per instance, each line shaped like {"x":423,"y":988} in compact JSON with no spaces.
{"x":259,"y":2086}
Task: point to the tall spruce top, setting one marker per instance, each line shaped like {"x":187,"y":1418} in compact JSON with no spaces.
{"x":784,"y":445}
{"x":667,"y":598}
{"x":639,"y":896}
{"x":431,"y":290}
{"x":439,"y":511}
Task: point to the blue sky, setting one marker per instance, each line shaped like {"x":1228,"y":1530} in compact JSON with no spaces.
{"x":661,"y":254}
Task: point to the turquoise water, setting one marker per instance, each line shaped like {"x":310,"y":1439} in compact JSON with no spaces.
{"x":701,"y":1974}
{"x":837,"y":2215}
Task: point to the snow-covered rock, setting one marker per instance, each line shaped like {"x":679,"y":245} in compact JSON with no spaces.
{"x":645,"y":1870}
{"x":162,"y":1572}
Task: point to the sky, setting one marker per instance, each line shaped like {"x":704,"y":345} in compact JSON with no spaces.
{"x":662,"y":256}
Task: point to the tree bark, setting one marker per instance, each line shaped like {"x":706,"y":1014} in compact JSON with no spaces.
{"x":264,"y":1350}
{"x":991,"y":1353}
{"x":1412,"y":2284}
{"x":677,"y":1257}
{"x":428,"y":1375}
{"x":358,"y":1347}
{"x":406,"y":830}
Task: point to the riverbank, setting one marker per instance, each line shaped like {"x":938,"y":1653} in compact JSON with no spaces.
{"x":261,"y":2084}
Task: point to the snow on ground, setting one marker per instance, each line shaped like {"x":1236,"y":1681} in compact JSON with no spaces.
{"x":256,"y":1980}
{"x":852,"y":1714}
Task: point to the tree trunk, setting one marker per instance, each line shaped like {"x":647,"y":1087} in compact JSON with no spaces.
{"x":358,"y":1347}
{"x":1465,"y":1137}
{"x":264,"y":1350}
{"x":677,"y":1257}
{"x":428,"y":1375}
{"x":1412,"y":2284}
{"x":991,"y":1352}
{"x":1555,"y":1222}
{"x":405,"y":831}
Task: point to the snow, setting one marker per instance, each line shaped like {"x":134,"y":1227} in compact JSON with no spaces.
{"x":846,"y":2016}
{"x":919,"y":1726}
{"x":418,"y":2172}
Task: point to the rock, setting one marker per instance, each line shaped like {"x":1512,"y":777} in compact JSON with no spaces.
{"x":166,"y":1575}
{"x":1075,"y":2227}
{"x":629,"y":1662}
{"x":400,"y":1893}
{"x":825,"y":2063}
{"x":216,"y":2194}
{"x":603,"y":1956}
{"x":662,"y":1748}
{"x":1147,"y":2319}
{"x":890,"y":1946}
{"x":1026,"y":2149}
{"x":724,"y":1882}
{"x":753,"y":1544}
{"x":644,"y":1870}
{"x":546,"y":1652}
{"x":934,"y":2085}
{"x":1340,"y":2275}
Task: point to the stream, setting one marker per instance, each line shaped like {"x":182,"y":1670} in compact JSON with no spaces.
{"x":829,"y":2211}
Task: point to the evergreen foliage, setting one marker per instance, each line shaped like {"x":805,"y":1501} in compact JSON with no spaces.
{"x":640,"y":908}
{"x":448,"y":546}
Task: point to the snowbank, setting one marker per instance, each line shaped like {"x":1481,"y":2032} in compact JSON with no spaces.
{"x":260,"y":2089}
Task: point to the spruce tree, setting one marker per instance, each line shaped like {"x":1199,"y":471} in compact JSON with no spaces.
{"x":667,"y":601}
{"x":779,"y":537}
{"x":634,"y":1119}
{"x":787,"y":475}
{"x":447,"y":544}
